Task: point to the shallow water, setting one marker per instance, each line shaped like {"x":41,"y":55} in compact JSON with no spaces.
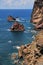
{"x":10,"y":41}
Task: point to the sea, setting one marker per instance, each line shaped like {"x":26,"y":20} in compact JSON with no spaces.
{"x":11,"y":41}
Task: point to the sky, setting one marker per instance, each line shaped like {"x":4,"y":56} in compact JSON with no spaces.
{"x":16,"y":4}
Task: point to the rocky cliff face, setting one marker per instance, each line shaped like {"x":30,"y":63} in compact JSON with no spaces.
{"x":32,"y":54}
{"x":37,"y":14}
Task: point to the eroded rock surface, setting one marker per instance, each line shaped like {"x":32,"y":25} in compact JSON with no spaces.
{"x":37,"y":14}
{"x":32,"y":54}
{"x":17,"y":27}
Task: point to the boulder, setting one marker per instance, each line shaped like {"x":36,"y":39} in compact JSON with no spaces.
{"x":20,"y":51}
{"x":13,"y":56}
{"x":25,"y":51}
{"x":10,"y":18}
{"x":17,"y":27}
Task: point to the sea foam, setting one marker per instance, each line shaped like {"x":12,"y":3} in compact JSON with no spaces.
{"x":8,"y":30}
{"x":17,"y":47}
{"x":10,"y":41}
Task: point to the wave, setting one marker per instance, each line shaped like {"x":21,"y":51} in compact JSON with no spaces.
{"x":10,"y":41}
{"x":25,"y":31}
{"x":15,"y":62}
{"x":21,"y":19}
{"x":33,"y":37}
{"x":17,"y":47}
{"x":18,"y":19}
{"x":33,"y":31}
{"x":8,"y":30}
{"x":29,"y":27}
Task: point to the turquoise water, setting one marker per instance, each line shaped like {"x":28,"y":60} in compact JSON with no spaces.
{"x":10,"y":40}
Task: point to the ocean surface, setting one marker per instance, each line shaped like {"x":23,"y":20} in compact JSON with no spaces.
{"x":10,"y":41}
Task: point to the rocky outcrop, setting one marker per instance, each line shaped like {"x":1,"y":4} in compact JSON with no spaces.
{"x":10,"y":18}
{"x":32,"y":54}
{"x":37,"y":14}
{"x":17,"y":27}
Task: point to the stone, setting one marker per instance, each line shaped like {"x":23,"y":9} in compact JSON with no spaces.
{"x":20,"y":53}
{"x":10,"y":18}
{"x":17,"y":26}
{"x":13,"y":56}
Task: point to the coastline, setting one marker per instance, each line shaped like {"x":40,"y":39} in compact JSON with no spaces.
{"x":32,"y":54}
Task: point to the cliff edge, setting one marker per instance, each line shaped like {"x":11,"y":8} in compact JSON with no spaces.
{"x":37,"y":14}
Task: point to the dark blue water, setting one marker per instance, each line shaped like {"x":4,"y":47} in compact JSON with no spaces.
{"x":10,"y":40}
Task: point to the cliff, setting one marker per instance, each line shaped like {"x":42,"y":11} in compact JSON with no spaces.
{"x":32,"y":54}
{"x":37,"y":14}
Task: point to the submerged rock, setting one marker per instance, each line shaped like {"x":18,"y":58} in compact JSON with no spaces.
{"x":13,"y":56}
{"x":37,"y":14}
{"x":10,"y":18}
{"x":17,"y":27}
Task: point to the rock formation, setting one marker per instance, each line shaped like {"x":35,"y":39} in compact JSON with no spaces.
{"x":17,"y":27}
{"x":37,"y":14}
{"x":10,"y":18}
{"x":32,"y":54}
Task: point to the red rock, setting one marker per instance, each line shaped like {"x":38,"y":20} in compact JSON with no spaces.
{"x":17,"y":27}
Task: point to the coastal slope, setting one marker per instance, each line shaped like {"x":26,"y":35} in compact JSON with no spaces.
{"x":32,"y":54}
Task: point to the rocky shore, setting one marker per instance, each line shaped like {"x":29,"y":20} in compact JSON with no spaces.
{"x":32,"y":54}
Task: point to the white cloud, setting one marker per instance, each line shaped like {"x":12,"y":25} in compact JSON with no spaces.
{"x":16,"y":4}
